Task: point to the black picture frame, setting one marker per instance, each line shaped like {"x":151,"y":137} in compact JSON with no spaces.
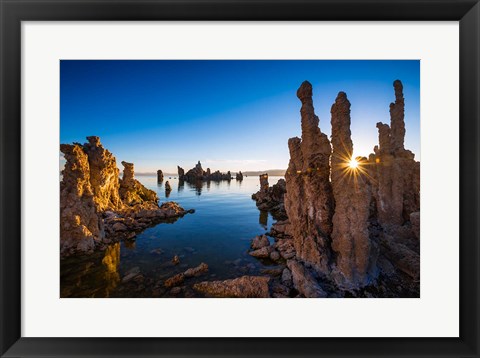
{"x":13,"y":12}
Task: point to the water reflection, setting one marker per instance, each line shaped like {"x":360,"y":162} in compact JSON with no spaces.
{"x":111,"y":262}
{"x":263,"y":219}
{"x":181,"y":185}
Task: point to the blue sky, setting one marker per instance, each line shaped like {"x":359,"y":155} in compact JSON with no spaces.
{"x":230,"y":115}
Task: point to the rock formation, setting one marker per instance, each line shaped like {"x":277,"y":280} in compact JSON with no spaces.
{"x":271,"y":198}
{"x":159,"y":176}
{"x":104,"y":175}
{"x":80,"y":224}
{"x":96,"y":207}
{"x":131,"y":190}
{"x":309,"y":200}
{"x":197,"y":174}
{"x":245,"y":286}
{"x":356,"y":254}
{"x":239,"y":176}
{"x":351,"y":221}
{"x":168,"y":188}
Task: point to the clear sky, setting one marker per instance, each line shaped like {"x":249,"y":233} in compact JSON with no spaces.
{"x":230,"y":115}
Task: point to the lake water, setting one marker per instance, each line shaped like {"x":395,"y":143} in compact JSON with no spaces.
{"x":218,"y":233}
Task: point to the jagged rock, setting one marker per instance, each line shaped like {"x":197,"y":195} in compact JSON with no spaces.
{"x":401,"y":256}
{"x":159,"y":176}
{"x":271,"y":198}
{"x":239,"y":176}
{"x":415,"y":221}
{"x":242,"y":287}
{"x":104,"y":175}
{"x":274,"y":255}
{"x":80,"y":225}
{"x":287,"y":277}
{"x":303,"y":281}
{"x":356,"y":254}
{"x":197,"y":175}
{"x":396,"y":174}
{"x":191,"y":272}
{"x":131,"y":190}
{"x":259,"y":241}
{"x":309,"y":200}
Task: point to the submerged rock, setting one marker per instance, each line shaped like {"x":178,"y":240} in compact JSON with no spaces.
{"x":242,"y":287}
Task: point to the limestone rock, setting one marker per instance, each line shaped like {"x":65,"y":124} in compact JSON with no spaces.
{"x":181,"y":172}
{"x":239,"y":176}
{"x":260,"y":241}
{"x":309,"y":200}
{"x":131,"y":190}
{"x":196,"y":271}
{"x":303,"y":281}
{"x":104,"y":175}
{"x":168,"y":188}
{"x":80,"y":225}
{"x":271,"y":199}
{"x":243,"y":287}
{"x":356,"y":254}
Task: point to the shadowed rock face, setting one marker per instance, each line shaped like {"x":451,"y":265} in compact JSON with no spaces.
{"x":341,"y":220}
{"x":159,"y":176}
{"x":242,"y":287}
{"x":396,"y":175}
{"x":355,"y":254}
{"x":238,"y":176}
{"x":309,"y":200}
{"x":197,"y":174}
{"x":80,"y":225}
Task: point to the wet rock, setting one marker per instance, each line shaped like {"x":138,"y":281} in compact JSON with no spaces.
{"x":260,"y":241}
{"x":196,"y":271}
{"x":175,"y":280}
{"x":262,"y":253}
{"x":242,"y":287}
{"x":176,"y":260}
{"x":131,"y":274}
{"x":303,"y":281}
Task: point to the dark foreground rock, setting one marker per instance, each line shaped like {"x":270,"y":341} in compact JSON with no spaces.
{"x":242,"y":287}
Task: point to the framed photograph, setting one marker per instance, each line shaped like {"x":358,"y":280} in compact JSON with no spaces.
{"x":239,"y":178}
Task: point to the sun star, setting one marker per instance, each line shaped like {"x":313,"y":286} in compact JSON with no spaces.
{"x":353,"y":164}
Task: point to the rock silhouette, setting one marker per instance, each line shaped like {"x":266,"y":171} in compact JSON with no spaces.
{"x":271,"y":198}
{"x":159,"y":176}
{"x":197,"y":174}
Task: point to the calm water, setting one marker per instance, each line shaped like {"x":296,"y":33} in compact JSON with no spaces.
{"x":218,"y":233}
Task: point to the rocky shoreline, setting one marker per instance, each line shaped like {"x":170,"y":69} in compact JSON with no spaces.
{"x":345,"y":227}
{"x":97,"y":207}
